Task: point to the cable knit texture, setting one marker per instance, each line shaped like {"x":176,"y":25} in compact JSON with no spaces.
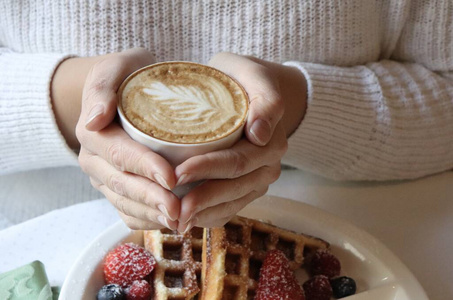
{"x":379,"y":72}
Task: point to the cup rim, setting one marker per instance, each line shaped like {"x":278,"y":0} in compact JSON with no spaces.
{"x":124,"y":118}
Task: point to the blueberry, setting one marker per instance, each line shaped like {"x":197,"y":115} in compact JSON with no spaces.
{"x":343,"y":286}
{"x":111,"y":292}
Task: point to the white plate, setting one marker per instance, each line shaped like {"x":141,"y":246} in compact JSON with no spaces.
{"x":379,"y":274}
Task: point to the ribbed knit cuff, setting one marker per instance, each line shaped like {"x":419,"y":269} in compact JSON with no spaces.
{"x":29,"y":138}
{"x":340,"y":122}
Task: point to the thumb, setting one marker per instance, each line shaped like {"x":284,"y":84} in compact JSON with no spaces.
{"x":266,"y":106}
{"x":100,"y":99}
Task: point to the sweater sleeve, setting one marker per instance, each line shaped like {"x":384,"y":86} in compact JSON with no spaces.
{"x":29,"y":135}
{"x":382,"y":121}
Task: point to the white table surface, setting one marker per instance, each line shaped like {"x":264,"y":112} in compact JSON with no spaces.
{"x":414,"y":219}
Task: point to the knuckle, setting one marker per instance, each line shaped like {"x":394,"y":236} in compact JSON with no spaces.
{"x":230,"y":208}
{"x":240,"y":161}
{"x":274,"y":173}
{"x":220,"y":57}
{"x":119,"y":203}
{"x":115,"y":152}
{"x":283,"y":147}
{"x":148,"y":214}
{"x":80,"y":132}
{"x":96,"y":86}
{"x":277,"y":107}
{"x":261,"y":192}
{"x":83,"y":163}
{"x":143,"y":160}
{"x":141,"y":196}
{"x":255,"y":69}
{"x":136,"y":57}
{"x":238,"y":187}
{"x":116,"y":183}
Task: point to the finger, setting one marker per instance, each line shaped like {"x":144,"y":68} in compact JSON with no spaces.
{"x":136,"y":210}
{"x":266,"y":105}
{"x":125,"y":154}
{"x":99,"y":98}
{"x":215,"y":192}
{"x":241,"y":159}
{"x":134,"y":187}
{"x":219,"y":215}
{"x":137,"y":224}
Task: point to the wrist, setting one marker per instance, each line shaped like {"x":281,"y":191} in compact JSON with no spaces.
{"x":66,"y":95}
{"x":293,"y":89}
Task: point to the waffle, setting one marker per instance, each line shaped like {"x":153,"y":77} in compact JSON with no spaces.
{"x":178,"y":271}
{"x":233,"y":256}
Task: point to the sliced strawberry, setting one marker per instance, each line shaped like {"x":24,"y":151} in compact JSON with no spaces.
{"x":139,"y":290}
{"x":127,"y":263}
{"x":277,"y":281}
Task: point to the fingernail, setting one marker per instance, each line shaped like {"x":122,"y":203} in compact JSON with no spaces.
{"x":181,"y":179}
{"x":97,"y":110}
{"x":164,"y":210}
{"x":190,"y":225}
{"x":261,"y":131}
{"x":161,"y":181}
{"x":162,"y":220}
{"x":189,"y":219}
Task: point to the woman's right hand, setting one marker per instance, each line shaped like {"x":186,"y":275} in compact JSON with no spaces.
{"x":136,"y":180}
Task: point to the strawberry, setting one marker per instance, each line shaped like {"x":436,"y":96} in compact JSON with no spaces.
{"x":277,"y":281}
{"x":139,"y":290}
{"x":325,"y":263}
{"x":127,"y":263}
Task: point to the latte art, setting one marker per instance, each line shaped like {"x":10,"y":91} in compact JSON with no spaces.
{"x":192,"y":109}
{"x":184,"y":103}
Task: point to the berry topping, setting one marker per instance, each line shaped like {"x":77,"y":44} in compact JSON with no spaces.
{"x":110,"y":292}
{"x":325,"y":263}
{"x":318,"y":288}
{"x":343,"y":286}
{"x":277,"y":281}
{"x":127,"y":263}
{"x":139,"y":290}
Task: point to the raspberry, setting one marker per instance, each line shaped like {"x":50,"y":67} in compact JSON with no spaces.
{"x":110,"y":292}
{"x":317,"y":288}
{"x":127,"y":263}
{"x":139,"y":290}
{"x":343,"y":286}
{"x":325,"y":263}
{"x":277,"y":281}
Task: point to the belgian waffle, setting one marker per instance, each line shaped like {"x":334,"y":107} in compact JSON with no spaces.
{"x":178,"y":271}
{"x":233,"y":256}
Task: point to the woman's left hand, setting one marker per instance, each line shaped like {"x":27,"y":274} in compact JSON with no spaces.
{"x":238,"y":175}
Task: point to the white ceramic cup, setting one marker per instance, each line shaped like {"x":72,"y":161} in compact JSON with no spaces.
{"x":176,"y":153}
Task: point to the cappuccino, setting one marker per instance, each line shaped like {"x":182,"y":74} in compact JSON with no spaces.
{"x":182,"y":102}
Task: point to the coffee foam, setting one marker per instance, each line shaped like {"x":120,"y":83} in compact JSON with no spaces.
{"x":183,"y":102}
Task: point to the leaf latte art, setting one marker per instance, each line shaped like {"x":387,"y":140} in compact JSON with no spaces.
{"x":184,"y":103}
{"x":191,"y":106}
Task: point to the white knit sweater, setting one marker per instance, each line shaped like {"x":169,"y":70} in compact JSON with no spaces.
{"x":379,"y":72}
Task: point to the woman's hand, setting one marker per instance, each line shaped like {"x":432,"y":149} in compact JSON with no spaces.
{"x":136,"y":180}
{"x":238,"y":175}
